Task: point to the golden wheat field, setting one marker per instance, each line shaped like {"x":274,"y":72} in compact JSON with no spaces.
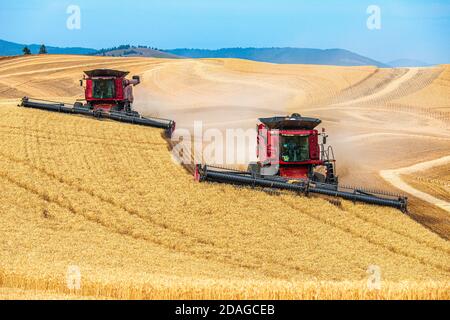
{"x":108,"y":198}
{"x":434,"y":181}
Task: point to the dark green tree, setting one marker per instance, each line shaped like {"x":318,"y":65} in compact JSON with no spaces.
{"x":26,"y":51}
{"x":43,"y":49}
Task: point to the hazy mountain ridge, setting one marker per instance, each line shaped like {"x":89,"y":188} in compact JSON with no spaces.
{"x":338,"y":57}
{"x":401,"y":63}
{"x":13,"y":49}
{"x":136,"y":51}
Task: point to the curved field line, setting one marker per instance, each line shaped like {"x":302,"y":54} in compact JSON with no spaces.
{"x":391,"y":87}
{"x":390,"y":134}
{"x":354,"y":232}
{"x":70,"y":67}
{"x":69,"y":183}
{"x":393,"y":177}
{"x":199,"y":68}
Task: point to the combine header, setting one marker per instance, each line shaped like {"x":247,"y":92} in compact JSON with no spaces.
{"x":289,"y":152}
{"x":108,"y":95}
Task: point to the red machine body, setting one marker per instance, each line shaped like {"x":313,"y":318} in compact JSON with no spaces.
{"x":108,"y":95}
{"x":291,"y":145}
{"x":109,"y":90}
{"x":291,"y":157}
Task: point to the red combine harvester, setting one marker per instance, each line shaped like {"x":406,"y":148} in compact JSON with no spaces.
{"x":289,"y":152}
{"x":109,"y":95}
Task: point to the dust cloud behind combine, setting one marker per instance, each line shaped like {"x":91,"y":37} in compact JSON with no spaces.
{"x":373,"y":123}
{"x":144,"y":229}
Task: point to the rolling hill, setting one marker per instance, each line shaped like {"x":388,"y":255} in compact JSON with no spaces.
{"x":12,"y":49}
{"x":338,"y":57}
{"x":402,"y":63}
{"x":137,"y":52}
{"x":108,"y":198}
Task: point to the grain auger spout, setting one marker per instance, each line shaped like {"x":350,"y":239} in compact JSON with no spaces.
{"x":289,"y":153}
{"x":108,"y":95}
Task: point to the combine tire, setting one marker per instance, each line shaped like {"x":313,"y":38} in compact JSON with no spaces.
{"x":254,"y":169}
{"x":134,"y":114}
{"x":319,"y":177}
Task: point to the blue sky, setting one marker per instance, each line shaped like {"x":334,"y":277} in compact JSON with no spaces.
{"x":414,"y":29}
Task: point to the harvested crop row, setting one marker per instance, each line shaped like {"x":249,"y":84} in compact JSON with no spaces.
{"x":107,"y":198}
{"x":434,"y":181}
{"x":126,"y":201}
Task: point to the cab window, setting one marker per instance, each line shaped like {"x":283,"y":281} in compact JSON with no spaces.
{"x":294,"y":148}
{"x":103,"y":89}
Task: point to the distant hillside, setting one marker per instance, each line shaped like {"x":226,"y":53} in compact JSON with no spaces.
{"x":337,"y":57}
{"x":132,"y":51}
{"x":12,"y":49}
{"x":408,"y":63}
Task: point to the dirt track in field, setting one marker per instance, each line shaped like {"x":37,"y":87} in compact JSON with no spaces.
{"x":393,"y":177}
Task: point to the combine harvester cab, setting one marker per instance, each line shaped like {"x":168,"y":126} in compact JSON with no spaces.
{"x":289,"y":152}
{"x":109,"y":95}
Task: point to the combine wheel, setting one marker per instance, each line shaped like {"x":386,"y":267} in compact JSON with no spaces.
{"x":254,"y":169}
{"x":319,"y":177}
{"x":98,"y":114}
{"x":134,"y":114}
{"x":170,"y":130}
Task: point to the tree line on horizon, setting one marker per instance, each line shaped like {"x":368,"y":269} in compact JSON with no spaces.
{"x":42,"y":50}
{"x":123,"y":47}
